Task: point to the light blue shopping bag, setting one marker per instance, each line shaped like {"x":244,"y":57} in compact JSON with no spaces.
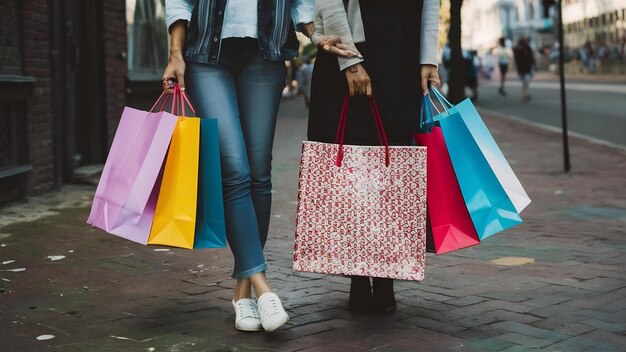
{"x":490,"y":188}
{"x":210,"y":226}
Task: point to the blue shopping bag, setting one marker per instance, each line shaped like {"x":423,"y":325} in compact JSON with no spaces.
{"x":210,"y":226}
{"x":487,"y":182}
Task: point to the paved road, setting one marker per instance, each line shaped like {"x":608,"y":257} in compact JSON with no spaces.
{"x":89,"y":291}
{"x":595,"y":109}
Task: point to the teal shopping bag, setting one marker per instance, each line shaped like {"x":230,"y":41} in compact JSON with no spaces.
{"x":210,"y":227}
{"x":481,"y":169}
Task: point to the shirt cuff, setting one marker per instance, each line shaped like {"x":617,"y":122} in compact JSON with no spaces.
{"x":177,"y":15}
{"x":302,"y":12}
{"x":345,"y":62}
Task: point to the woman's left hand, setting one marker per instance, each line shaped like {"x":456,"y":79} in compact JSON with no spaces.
{"x":430,"y":73}
{"x":332,"y":45}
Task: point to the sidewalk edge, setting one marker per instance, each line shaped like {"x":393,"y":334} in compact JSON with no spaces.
{"x":557,"y":130}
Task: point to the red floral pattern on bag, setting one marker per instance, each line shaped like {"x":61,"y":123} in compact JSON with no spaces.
{"x":361,"y":218}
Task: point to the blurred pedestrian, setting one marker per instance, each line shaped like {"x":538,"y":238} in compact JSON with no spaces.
{"x":291,"y":88}
{"x":487,"y":65}
{"x":232,"y":56}
{"x":446,"y":65}
{"x":590,"y":57}
{"x":304,"y":74}
{"x":603,"y":57}
{"x":503,"y":55}
{"x":398,"y":44}
{"x":525,"y":63}
{"x":472,"y":67}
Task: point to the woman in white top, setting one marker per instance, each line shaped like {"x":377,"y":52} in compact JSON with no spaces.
{"x":504,"y":55}
{"x":388,"y":49}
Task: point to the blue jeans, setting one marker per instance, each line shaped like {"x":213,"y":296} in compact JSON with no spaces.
{"x":242,"y":91}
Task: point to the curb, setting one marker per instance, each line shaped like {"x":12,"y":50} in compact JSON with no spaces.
{"x":549,"y":128}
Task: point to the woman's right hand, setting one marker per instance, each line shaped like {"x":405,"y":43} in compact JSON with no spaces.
{"x":174,"y":73}
{"x":359,"y":82}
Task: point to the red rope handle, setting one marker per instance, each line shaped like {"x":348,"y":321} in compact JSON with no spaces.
{"x":341,"y":129}
{"x":342,"y":116}
{"x":381,"y":129}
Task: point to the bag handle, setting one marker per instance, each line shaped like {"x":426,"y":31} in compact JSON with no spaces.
{"x":182,"y":100}
{"x":179,"y":100}
{"x":341,"y":129}
{"x":442,"y":100}
{"x":426,"y":115}
{"x":163,"y":98}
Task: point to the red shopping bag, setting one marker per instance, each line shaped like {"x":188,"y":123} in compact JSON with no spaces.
{"x":361,"y":209}
{"x":452,"y":227}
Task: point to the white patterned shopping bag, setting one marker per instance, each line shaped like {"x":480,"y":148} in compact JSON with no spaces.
{"x":361,"y":209}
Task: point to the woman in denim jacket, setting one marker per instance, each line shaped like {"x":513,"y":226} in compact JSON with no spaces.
{"x":230,"y":54}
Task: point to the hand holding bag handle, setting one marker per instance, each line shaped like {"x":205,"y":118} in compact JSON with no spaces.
{"x":341,"y":129}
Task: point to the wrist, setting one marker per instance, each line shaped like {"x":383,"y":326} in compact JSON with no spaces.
{"x":354,"y":68}
{"x":308,"y":29}
{"x":176,"y":55}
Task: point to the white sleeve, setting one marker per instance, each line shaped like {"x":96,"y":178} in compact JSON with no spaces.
{"x":331,"y":19}
{"x":429,"y":33}
{"x":176,"y":10}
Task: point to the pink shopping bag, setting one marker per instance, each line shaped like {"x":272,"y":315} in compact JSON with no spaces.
{"x":452,"y":227}
{"x":125,"y":199}
{"x":361,"y":209}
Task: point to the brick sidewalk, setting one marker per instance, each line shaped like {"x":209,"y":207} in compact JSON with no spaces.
{"x":109,"y":294}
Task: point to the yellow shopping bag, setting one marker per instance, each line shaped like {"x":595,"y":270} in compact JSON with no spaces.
{"x":175,"y":216}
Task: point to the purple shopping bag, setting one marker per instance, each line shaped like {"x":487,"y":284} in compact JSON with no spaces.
{"x":125,"y":199}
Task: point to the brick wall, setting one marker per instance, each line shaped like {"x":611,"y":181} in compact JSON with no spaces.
{"x":115,"y":61}
{"x":25,"y":29}
{"x":36,"y":61}
{"x":10,"y":56}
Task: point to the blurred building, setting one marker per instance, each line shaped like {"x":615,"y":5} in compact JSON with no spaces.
{"x":67,"y":69}
{"x":594,"y":36}
{"x":593,"y":21}
{"x":484,"y":21}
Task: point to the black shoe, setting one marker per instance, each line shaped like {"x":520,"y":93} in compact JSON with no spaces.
{"x":360,"y":300}
{"x":384,"y":301}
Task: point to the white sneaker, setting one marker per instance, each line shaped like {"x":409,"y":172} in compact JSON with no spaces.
{"x":271,"y":310}
{"x":247,"y":315}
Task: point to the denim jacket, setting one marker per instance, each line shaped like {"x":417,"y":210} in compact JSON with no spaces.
{"x":277,"y":37}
